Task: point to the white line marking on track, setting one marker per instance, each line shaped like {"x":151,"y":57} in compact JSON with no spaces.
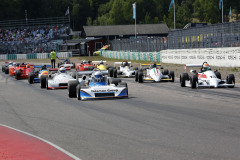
{"x":50,"y":143}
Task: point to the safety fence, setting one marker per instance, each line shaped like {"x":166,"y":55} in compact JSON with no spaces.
{"x":33,"y":56}
{"x":142,"y":56}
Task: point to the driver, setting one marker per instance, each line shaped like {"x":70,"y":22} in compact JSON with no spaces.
{"x":62,"y":70}
{"x":98,"y":77}
{"x":154,"y":65}
{"x":101,"y":62}
{"x":206,"y":67}
{"x":125,"y":63}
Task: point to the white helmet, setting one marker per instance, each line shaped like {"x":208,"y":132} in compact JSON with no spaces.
{"x":98,"y":75}
{"x":62,"y":69}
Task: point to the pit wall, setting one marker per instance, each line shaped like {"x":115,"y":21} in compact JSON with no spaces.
{"x":34,"y":56}
{"x":223,"y":57}
{"x":142,"y":56}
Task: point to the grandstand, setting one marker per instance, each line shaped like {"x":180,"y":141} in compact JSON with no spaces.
{"x":32,"y":35}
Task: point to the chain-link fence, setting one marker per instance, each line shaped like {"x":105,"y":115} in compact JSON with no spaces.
{"x":140,"y":44}
{"x":211,"y":36}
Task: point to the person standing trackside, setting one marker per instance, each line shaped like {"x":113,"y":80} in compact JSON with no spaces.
{"x":53,"y":58}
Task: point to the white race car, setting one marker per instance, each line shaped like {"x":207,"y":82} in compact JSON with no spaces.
{"x":58,"y":79}
{"x":94,"y":85}
{"x":205,"y":78}
{"x":153,"y":73}
{"x":125,"y":69}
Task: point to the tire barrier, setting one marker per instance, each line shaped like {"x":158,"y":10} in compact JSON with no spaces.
{"x":33,"y":56}
{"x":142,"y":56}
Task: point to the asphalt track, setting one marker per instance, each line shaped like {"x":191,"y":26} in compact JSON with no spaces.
{"x":159,"y":121}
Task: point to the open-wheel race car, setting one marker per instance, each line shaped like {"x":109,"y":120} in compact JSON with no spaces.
{"x":84,"y":66}
{"x":57,"y":78}
{"x":65,"y":62}
{"x":38,"y":70}
{"x":125,"y":69}
{"x":96,"y":85}
{"x":20,"y":71}
{"x":154,"y":74}
{"x":205,"y":77}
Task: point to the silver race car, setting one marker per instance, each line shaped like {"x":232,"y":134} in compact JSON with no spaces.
{"x":205,"y":78}
{"x":57,"y":79}
{"x":153,"y":73}
{"x":125,"y":70}
{"x":95,"y":85}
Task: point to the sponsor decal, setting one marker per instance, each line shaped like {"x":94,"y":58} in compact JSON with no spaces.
{"x":104,"y":90}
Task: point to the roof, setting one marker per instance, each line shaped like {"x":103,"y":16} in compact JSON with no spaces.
{"x":142,"y":29}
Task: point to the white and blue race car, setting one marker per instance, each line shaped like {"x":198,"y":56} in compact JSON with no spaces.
{"x":95,"y":85}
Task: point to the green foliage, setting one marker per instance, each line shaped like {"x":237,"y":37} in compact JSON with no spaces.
{"x":115,"y":12}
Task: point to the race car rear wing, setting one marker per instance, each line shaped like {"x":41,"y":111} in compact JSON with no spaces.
{"x":53,"y":69}
{"x":40,"y":66}
{"x":119,"y":63}
{"x":104,"y":72}
{"x":66,"y":65}
{"x":192,"y":65}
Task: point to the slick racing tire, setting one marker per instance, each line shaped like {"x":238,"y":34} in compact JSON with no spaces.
{"x":78,"y":92}
{"x":6,"y":70}
{"x":165,"y":72}
{"x":115,"y":73}
{"x":140,"y":77}
{"x":43,"y":81}
{"x":172,"y":76}
{"x":136,"y":68}
{"x":110,"y":72}
{"x":17,"y":74}
{"x":136,"y":76}
{"x":194,"y":81}
{"x":30,"y":78}
{"x":3,"y":68}
{"x":183,"y":78}
{"x":231,"y":80}
{"x":72,"y":85}
{"x":123,"y":84}
{"x":218,"y":75}
{"x":74,"y":75}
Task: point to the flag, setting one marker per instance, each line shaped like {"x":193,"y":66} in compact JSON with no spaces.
{"x":170,"y":5}
{"x":220,"y":4}
{"x":230,"y":12}
{"x":134,"y":10}
{"x":67,"y":12}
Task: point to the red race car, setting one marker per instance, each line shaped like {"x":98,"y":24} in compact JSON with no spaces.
{"x":84,"y":66}
{"x":21,"y":71}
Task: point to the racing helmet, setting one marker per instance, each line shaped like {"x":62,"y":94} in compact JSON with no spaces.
{"x":206,"y":67}
{"x":154,"y":65}
{"x":84,"y":62}
{"x":44,"y":67}
{"x":125,"y":63}
{"x":101,"y":62}
{"x":62,"y":69}
{"x":28,"y":66}
{"x":98,"y":76}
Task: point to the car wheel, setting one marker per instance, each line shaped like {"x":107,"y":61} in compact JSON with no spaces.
{"x":136,"y":76}
{"x":3,"y":68}
{"x":165,"y":72}
{"x":115,"y":73}
{"x":231,"y":80}
{"x":17,"y":74}
{"x":72,"y":85}
{"x":6,"y":70}
{"x":218,"y":75}
{"x":110,"y":72}
{"x":140,"y":77}
{"x":136,"y":68}
{"x":114,"y":81}
{"x":172,"y":76}
{"x":78,"y":92}
{"x":194,"y":81}
{"x":74,"y":75}
{"x":183,"y":78}
{"x":43,"y":81}
{"x":30,"y":78}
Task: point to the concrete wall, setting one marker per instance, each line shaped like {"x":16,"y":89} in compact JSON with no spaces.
{"x":225,"y":57}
